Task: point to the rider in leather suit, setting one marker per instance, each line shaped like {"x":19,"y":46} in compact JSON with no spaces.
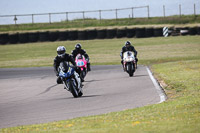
{"x":77,"y":51}
{"x":128,"y":47}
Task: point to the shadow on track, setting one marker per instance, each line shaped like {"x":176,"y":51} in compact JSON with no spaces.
{"x":65,"y":98}
{"x":92,"y":81}
{"x":48,"y":89}
{"x":140,"y":76}
{"x":90,"y":96}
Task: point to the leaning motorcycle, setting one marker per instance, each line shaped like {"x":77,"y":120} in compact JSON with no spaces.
{"x":81,"y":63}
{"x":71,"y":79}
{"x":129,"y":62}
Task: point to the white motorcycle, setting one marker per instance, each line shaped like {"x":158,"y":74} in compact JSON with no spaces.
{"x":129,"y":62}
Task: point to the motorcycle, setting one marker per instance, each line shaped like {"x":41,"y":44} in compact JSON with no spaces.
{"x":81,"y":62}
{"x":129,"y":62}
{"x":71,"y":79}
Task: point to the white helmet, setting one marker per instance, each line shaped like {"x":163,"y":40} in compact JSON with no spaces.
{"x":61,"y":51}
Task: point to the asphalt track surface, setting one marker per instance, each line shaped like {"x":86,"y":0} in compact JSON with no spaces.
{"x":31,"y":95}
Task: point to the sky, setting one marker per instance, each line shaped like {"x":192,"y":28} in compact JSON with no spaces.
{"x":9,"y":7}
{"x":12,"y":7}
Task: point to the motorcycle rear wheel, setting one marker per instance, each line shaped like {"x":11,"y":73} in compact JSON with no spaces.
{"x":130,"y":70}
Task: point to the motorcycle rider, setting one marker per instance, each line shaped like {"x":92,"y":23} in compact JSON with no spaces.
{"x":78,"y":50}
{"x":62,"y":56}
{"x":128,"y":47}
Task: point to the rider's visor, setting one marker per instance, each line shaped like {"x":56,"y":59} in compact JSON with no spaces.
{"x":61,"y":52}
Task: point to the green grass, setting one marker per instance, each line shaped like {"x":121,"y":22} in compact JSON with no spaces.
{"x":79,"y":24}
{"x":175,"y":62}
{"x":103,"y":52}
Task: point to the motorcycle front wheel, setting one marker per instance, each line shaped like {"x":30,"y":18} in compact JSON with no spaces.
{"x":73,"y":88}
{"x":82,"y":75}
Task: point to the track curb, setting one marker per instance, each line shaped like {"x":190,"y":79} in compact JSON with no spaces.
{"x":159,"y":89}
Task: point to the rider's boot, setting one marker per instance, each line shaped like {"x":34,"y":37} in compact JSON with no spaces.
{"x":88,"y":67}
{"x":82,"y":80}
{"x":136,"y":62}
{"x":59,"y":80}
{"x":123,"y":65}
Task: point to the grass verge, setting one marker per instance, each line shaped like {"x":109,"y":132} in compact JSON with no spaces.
{"x":103,"y":52}
{"x":87,"y":23}
{"x":175,"y":62}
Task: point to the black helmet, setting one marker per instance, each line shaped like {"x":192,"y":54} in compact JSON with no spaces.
{"x":127,"y":43}
{"x":61,"y":51}
{"x":78,"y":46}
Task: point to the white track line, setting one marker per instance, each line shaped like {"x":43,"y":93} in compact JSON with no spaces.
{"x":157,"y":86}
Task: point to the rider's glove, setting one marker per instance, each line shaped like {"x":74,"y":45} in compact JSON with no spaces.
{"x":57,"y":74}
{"x":76,"y":67}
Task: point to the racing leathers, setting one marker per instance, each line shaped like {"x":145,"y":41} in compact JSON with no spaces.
{"x":58,"y":60}
{"x":75,"y":52}
{"x":130,"y":48}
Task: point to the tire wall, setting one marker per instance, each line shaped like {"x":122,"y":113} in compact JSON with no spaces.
{"x":193,"y":31}
{"x":33,"y":37}
{"x":184,"y":31}
{"x":73,"y":35}
{"x":92,"y":34}
{"x":130,"y":32}
{"x":111,"y":33}
{"x":43,"y":36}
{"x":101,"y":34}
{"x":4,"y":38}
{"x":82,"y":35}
{"x":140,"y":32}
{"x":149,"y":32}
{"x":13,"y":38}
{"x":24,"y":37}
{"x":63,"y":35}
{"x":121,"y":33}
{"x":158,"y":32}
{"x":53,"y":36}
{"x":198,"y":30}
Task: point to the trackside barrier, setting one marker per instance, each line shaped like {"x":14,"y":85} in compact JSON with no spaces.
{"x":4,"y":38}
{"x":88,"y":34}
{"x":140,"y":32}
{"x":33,"y":37}
{"x":92,"y":34}
{"x":53,"y":36}
{"x":165,"y":31}
{"x":198,"y":30}
{"x":101,"y":34}
{"x":121,"y":33}
{"x":73,"y":35}
{"x":13,"y":38}
{"x":149,"y":32}
{"x":111,"y":33}
{"x":130,"y":32}
{"x":63,"y":35}
{"x":44,"y":36}
{"x":24,"y":37}
{"x":82,"y":35}
{"x":158,"y":32}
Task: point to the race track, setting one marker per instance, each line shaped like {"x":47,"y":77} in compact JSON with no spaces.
{"x":31,"y":95}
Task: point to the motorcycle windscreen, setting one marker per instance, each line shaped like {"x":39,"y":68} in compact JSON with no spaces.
{"x":128,"y":56}
{"x":64,"y":66}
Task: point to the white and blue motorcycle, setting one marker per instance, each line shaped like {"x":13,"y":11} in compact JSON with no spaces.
{"x":71,"y":79}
